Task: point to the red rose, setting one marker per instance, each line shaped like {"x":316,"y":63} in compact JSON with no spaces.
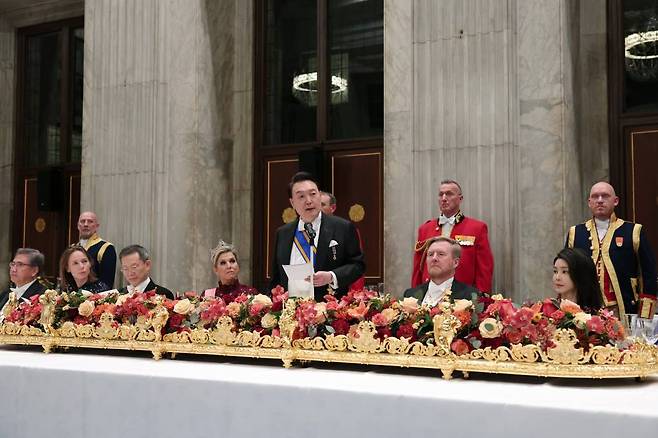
{"x":548,"y":307}
{"x":407,"y":331}
{"x":277,"y":306}
{"x":242,"y":298}
{"x":459,"y":347}
{"x":176,"y":320}
{"x":383,"y":333}
{"x":513,"y":336}
{"x":341,"y":326}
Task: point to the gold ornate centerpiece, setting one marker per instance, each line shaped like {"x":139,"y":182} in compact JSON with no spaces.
{"x":485,"y":334}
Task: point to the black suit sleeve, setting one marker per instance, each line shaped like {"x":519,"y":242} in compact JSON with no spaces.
{"x":276,"y":265}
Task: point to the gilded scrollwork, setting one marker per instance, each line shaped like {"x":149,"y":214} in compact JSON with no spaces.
{"x":563,"y":358}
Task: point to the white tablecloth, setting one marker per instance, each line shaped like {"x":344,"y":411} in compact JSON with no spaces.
{"x":89,"y":394}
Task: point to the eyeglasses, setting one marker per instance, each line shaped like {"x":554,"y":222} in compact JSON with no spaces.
{"x":131,"y":268}
{"x":18,"y":265}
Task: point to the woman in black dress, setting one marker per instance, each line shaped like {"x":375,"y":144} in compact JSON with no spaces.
{"x":575,"y":279}
{"x":76,"y":272}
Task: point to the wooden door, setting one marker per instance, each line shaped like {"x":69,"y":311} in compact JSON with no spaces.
{"x":642,"y":179}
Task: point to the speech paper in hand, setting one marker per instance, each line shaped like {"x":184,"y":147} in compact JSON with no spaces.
{"x":300,"y":280}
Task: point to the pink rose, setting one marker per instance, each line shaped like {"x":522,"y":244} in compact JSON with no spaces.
{"x":379,"y":320}
{"x":255,"y":309}
{"x":595,"y":324}
{"x":459,"y":347}
{"x":569,"y":307}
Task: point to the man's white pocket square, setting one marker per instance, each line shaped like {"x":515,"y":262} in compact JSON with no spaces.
{"x":333,"y":243}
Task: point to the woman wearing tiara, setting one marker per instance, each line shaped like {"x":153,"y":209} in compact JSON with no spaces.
{"x":225,"y":264}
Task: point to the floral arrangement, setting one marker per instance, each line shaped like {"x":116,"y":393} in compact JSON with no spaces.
{"x":500,"y":323}
{"x":484,"y":321}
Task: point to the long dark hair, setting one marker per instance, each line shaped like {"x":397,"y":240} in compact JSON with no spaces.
{"x":583,"y":275}
{"x":66,"y":280}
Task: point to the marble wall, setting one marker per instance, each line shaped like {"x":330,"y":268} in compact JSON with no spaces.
{"x":493,"y":94}
{"x":166,"y":157}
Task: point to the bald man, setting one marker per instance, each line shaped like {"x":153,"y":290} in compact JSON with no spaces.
{"x":624,"y":261}
{"x":101,"y":251}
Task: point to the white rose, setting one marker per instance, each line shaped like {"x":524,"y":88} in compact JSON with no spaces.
{"x":490,"y":328}
{"x":497,"y":297}
{"x":121,"y":299}
{"x":262,"y":299}
{"x":86,"y":308}
{"x":410,"y":305}
{"x":269,"y":321}
{"x":183,"y":307}
{"x":462,"y":305}
{"x":581,"y":318}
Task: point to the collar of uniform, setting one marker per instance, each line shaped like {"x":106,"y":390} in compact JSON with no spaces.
{"x":459,"y":216}
{"x":93,"y":240}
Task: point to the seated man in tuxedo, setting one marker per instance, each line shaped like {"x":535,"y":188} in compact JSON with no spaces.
{"x":136,"y":268}
{"x":442,"y":259}
{"x":330,"y":241}
{"x":24,"y":272}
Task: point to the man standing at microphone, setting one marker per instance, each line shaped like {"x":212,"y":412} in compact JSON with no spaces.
{"x":330,"y":242}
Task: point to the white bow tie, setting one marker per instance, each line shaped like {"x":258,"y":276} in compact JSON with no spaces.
{"x":446,"y":220}
{"x":132,"y":289}
{"x":13,"y":289}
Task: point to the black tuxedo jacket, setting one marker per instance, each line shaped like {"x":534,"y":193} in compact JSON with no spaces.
{"x":152,"y":286}
{"x":460,"y":291}
{"x":344,"y":259}
{"x":36,"y":289}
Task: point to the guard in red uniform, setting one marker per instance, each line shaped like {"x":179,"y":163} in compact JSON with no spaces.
{"x":476,"y":263}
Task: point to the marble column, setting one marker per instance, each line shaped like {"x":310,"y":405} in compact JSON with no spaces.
{"x":165,"y":156}
{"x":485,"y":92}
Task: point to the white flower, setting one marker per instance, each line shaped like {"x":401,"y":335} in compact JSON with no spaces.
{"x":121,"y":299}
{"x":462,"y":305}
{"x":183,"y":307}
{"x":262,"y":299}
{"x":269,"y":321}
{"x":409,"y":304}
{"x":86,"y":308}
{"x":581,"y":318}
{"x":490,"y":328}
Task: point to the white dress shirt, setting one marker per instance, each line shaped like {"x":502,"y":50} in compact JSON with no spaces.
{"x":141,"y":287}
{"x":19,"y":291}
{"x":296,"y":257}
{"x":436,"y":291}
{"x":601,"y":227}
{"x":447,"y":223}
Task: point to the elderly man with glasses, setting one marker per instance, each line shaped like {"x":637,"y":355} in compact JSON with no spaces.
{"x":24,"y":272}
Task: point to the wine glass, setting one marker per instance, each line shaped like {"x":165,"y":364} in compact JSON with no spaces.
{"x":645,"y":328}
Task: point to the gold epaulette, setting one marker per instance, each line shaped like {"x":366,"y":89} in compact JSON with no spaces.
{"x":646,"y":306}
{"x":102,"y":250}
